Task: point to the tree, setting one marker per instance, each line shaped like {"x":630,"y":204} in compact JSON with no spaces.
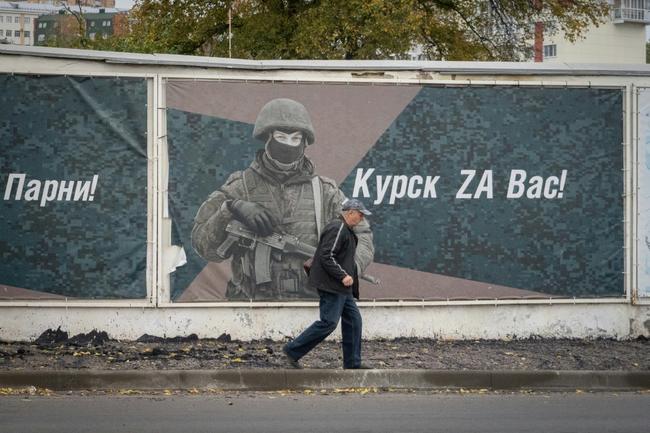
{"x":79,"y":38}
{"x":354,"y":29}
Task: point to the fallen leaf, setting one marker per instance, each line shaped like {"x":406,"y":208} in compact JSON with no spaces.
{"x":129,"y":392}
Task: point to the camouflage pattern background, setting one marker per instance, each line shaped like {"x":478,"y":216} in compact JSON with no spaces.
{"x":70,"y":129}
{"x":442,"y":248}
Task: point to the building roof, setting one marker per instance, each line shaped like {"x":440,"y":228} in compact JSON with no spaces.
{"x":100,"y":16}
{"x":46,"y":8}
{"x":467,"y":68}
{"x":90,"y":16}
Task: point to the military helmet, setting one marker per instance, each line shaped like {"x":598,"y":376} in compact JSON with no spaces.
{"x":283,"y":113}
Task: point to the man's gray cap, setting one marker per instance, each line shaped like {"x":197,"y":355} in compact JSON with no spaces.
{"x":283,"y":113}
{"x":354,"y":204}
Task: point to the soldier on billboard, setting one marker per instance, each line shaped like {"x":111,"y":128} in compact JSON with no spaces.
{"x":268,"y":217}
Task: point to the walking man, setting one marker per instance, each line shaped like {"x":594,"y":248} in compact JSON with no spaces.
{"x":334,"y":275}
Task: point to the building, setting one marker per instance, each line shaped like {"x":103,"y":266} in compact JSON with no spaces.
{"x":18,"y":19}
{"x":101,"y":24}
{"x":17,"y":22}
{"x":621,"y":39}
{"x":94,"y":3}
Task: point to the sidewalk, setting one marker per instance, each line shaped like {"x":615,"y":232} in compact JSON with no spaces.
{"x":93,"y":361}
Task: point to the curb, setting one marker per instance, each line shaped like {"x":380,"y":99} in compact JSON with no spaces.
{"x":274,"y":379}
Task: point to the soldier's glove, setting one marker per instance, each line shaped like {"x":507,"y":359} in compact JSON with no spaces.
{"x":255,"y":216}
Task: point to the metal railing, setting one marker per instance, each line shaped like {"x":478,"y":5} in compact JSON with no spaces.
{"x":631,"y":10}
{"x":630,"y":14}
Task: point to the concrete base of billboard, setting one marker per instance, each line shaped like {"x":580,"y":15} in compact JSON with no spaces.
{"x":481,"y":321}
{"x":275,"y":380}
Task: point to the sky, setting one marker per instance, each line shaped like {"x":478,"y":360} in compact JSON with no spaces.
{"x":126,"y":4}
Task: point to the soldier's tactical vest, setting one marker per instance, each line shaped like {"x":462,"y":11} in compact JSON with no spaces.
{"x":293,"y":203}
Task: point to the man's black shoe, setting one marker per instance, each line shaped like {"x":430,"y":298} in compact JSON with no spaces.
{"x":361,"y":366}
{"x":293,"y":363}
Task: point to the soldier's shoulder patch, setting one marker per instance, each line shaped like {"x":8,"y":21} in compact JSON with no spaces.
{"x":328,"y":181}
{"x":237,"y":175}
{"x":233,"y":188}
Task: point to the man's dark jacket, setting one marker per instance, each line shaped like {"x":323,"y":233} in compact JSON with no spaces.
{"x":334,"y":259}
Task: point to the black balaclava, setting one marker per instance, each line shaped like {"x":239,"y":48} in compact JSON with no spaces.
{"x":286,"y":156}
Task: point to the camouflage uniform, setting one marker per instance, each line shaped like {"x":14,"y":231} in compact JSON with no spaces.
{"x":289,"y":196}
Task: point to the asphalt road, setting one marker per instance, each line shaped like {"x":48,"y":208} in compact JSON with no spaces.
{"x":275,"y":412}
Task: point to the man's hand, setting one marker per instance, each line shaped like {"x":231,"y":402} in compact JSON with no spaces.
{"x":254,"y":216}
{"x":347,"y":281}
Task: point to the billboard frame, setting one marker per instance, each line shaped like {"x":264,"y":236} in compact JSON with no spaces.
{"x":152,"y":240}
{"x":157,"y":296}
{"x":164,"y":279}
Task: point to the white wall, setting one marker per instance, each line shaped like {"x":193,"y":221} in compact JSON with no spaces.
{"x":609,"y":43}
{"x":245,"y":323}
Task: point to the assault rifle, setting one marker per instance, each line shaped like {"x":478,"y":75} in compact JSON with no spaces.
{"x":263,"y":245}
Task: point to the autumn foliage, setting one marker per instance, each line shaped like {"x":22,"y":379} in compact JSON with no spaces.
{"x":352,"y":29}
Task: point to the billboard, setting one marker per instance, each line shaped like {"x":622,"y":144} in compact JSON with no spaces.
{"x":73,"y":173}
{"x":488,"y":192}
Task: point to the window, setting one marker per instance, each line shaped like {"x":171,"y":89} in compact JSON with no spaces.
{"x":26,"y":33}
{"x":27,"y":19}
{"x":16,"y":33}
{"x":550,"y":51}
{"x":2,"y":19}
{"x":41,"y":38}
{"x":8,"y":33}
{"x":91,"y":36}
{"x":92,"y":24}
{"x":16,"y":20}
